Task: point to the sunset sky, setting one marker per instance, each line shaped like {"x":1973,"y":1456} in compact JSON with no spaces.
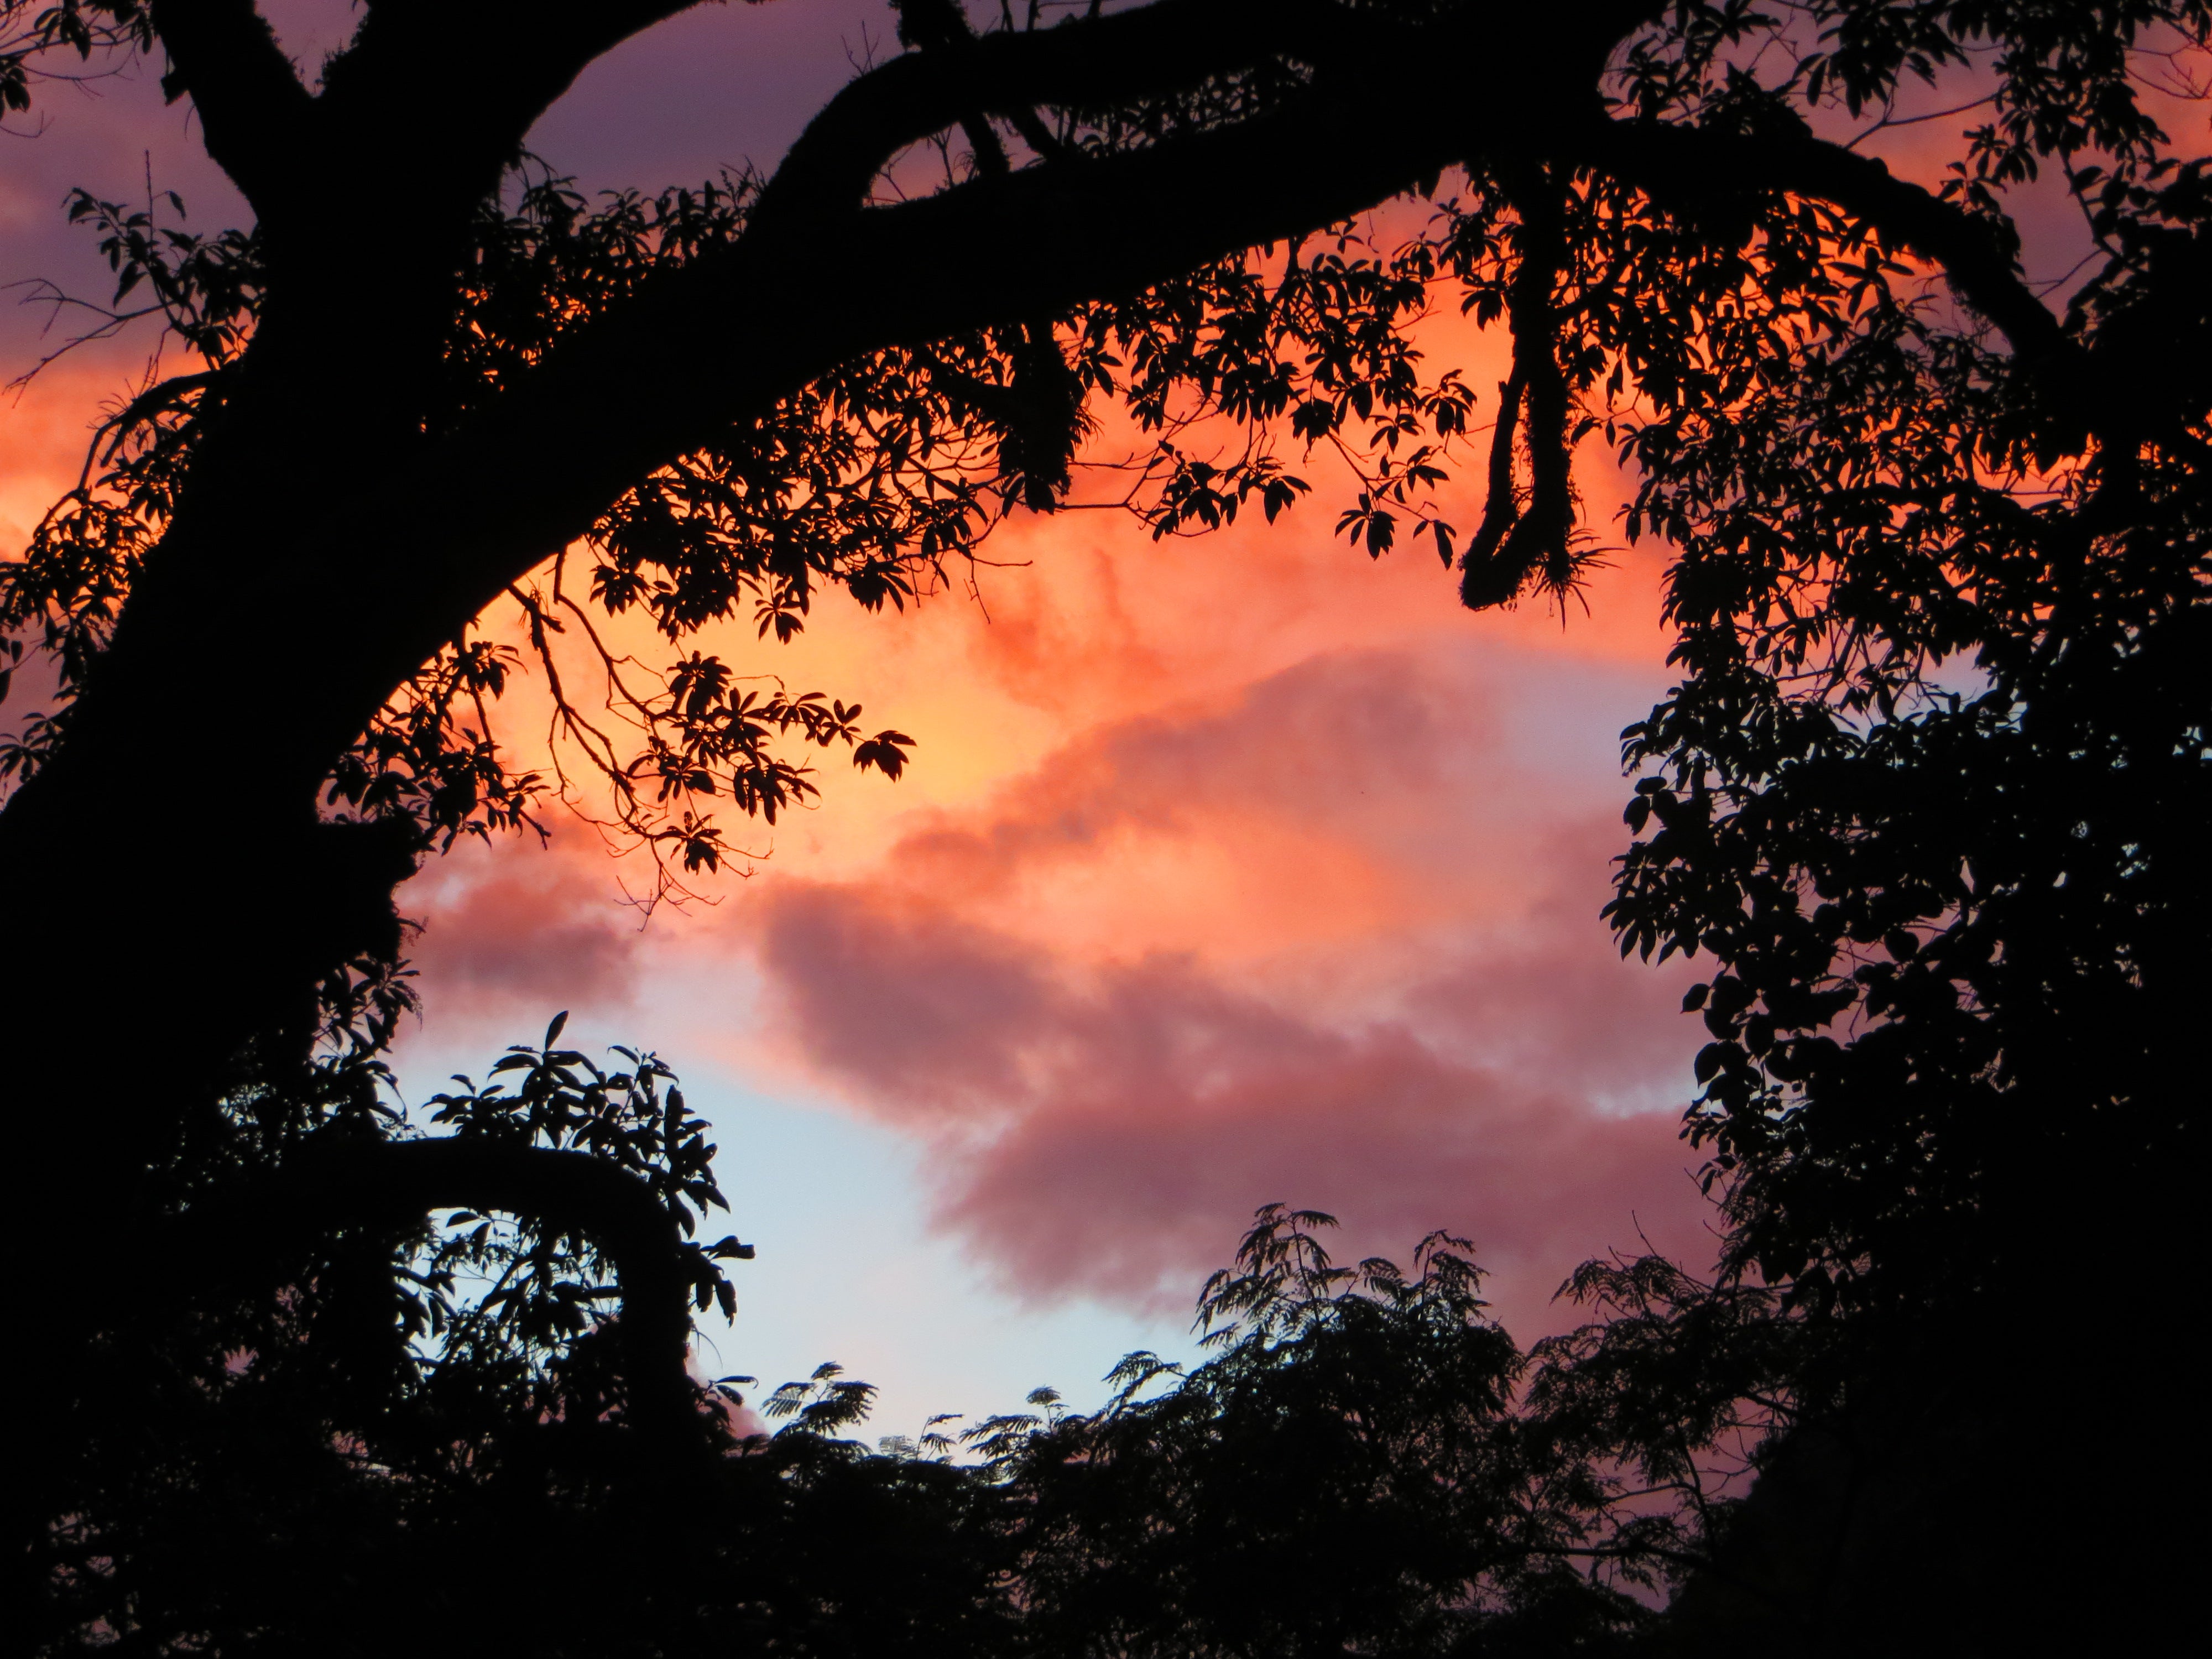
{"x":1227,"y":870}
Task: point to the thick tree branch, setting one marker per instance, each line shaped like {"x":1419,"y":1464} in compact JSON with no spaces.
{"x":434,"y":98}
{"x":250,"y":104}
{"x":1699,"y":174}
{"x":468,"y":80}
{"x":722,"y":339}
{"x":1166,"y":46}
{"x":819,"y":280}
{"x":939,"y":24}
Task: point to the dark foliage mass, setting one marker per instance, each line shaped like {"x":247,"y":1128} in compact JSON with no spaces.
{"x":305,"y":1374}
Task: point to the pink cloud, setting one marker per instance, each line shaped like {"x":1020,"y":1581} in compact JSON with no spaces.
{"x":1379,"y":1133}
{"x":915,"y":1012}
{"x":503,"y":935}
{"x":1107,"y":1134}
{"x":1103,"y":1111}
{"x":1329,"y":936}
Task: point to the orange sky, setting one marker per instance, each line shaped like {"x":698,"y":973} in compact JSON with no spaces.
{"x":1227,"y":870}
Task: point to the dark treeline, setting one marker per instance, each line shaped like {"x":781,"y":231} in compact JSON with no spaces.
{"x":297,"y":1374}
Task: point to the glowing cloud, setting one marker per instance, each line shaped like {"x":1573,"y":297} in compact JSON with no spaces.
{"x":1331,"y":939}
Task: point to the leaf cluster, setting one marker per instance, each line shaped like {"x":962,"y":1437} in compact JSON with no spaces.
{"x":1350,"y":1472}
{"x":875,"y":479}
{"x":540,"y":1287}
{"x":36,"y":33}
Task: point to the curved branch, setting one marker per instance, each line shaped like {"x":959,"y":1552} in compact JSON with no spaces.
{"x":937,"y":24}
{"x":1701,"y":175}
{"x":1167,"y":47}
{"x":807,"y":288}
{"x":722,"y":339}
{"x":391,"y":1185}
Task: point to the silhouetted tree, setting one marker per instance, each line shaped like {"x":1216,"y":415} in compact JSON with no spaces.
{"x":1350,"y":1473}
{"x":1925,"y":792}
{"x":1928,"y":794}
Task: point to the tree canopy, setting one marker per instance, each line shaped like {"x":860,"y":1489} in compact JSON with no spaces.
{"x":1924,"y":794}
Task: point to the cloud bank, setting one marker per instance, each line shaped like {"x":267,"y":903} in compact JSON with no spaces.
{"x":1331,"y":939}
